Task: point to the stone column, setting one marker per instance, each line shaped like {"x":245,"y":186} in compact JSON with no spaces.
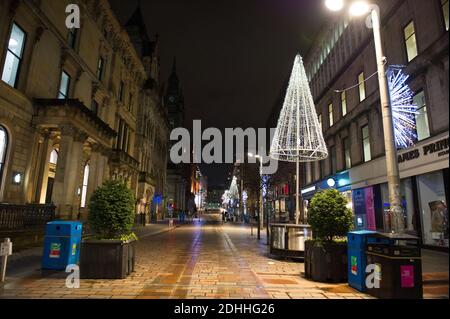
{"x":67,"y":171}
{"x":94,"y":164}
{"x":43,"y":167}
{"x":101,"y":166}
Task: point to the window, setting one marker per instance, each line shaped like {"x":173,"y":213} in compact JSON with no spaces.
{"x":130,"y":106}
{"x":100,"y":67}
{"x":54,"y":157}
{"x":320,"y":122}
{"x":14,"y":55}
{"x":445,"y":12}
{"x":94,"y":107}
{"x":422,"y":124}
{"x":330,"y":114}
{"x":84,"y":186}
{"x":333,"y":160}
{"x":347,"y":154}
{"x":362,"y":87}
{"x":64,"y":85}
{"x":410,"y":41}
{"x":431,"y":190}
{"x":72,"y":37}
{"x":3,"y":149}
{"x":344,"y":103}
{"x":366,"y":144}
{"x":121,"y":89}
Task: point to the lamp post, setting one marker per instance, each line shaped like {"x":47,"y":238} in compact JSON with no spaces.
{"x":359,"y":8}
{"x":261,"y":207}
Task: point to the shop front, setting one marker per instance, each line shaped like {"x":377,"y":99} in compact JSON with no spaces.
{"x":340,"y":181}
{"x":424,"y":173}
{"x":281,"y":204}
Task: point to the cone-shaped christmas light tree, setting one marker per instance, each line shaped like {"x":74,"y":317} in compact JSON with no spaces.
{"x":298,"y":136}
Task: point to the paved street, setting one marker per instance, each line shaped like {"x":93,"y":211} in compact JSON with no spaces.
{"x":200,"y":260}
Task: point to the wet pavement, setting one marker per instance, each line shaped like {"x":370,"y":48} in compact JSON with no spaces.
{"x":203,"y":259}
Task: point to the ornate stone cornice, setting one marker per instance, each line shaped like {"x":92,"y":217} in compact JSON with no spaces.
{"x":68,"y":110}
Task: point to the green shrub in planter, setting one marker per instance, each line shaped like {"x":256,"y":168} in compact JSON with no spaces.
{"x":329,"y":216}
{"x":112,"y":212}
{"x":330,"y":220}
{"x":111,"y":253}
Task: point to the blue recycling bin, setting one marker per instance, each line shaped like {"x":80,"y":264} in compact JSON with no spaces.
{"x":62,"y":244}
{"x":357,"y":242}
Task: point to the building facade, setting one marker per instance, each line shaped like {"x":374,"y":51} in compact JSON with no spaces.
{"x":341,"y":68}
{"x":152,"y":132}
{"x":71,"y":102}
{"x":180,"y":177}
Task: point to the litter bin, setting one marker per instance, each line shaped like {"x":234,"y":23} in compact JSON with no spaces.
{"x":398,"y":266}
{"x":61,"y":245}
{"x":357,"y":245}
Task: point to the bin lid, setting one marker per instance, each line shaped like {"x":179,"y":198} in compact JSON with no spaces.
{"x":363,"y":232}
{"x":64,"y":222}
{"x":397,"y":236}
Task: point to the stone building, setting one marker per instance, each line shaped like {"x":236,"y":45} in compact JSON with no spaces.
{"x":77,"y":107}
{"x":415,"y":35}
{"x":179,"y":197}
{"x":152,"y":135}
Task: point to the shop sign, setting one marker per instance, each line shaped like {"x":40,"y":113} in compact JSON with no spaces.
{"x":439,"y":148}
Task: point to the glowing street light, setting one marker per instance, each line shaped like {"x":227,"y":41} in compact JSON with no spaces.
{"x":359,"y":8}
{"x":334,"y":5}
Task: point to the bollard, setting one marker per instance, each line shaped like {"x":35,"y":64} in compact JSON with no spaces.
{"x":5,"y":251}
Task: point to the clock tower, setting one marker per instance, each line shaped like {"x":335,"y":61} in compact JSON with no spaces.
{"x":174,"y":100}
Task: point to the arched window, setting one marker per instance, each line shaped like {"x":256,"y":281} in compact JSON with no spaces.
{"x":3,"y":149}
{"x":54,"y":157}
{"x":85,"y":186}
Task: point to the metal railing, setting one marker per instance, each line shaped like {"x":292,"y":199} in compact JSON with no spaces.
{"x":28,"y":216}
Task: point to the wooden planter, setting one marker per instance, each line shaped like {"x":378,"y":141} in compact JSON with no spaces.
{"x":326,"y":262}
{"x":103,"y":259}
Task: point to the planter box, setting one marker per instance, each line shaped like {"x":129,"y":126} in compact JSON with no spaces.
{"x":103,"y":259}
{"x":326,"y":262}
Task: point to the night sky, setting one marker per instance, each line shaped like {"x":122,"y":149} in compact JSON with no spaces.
{"x":233,"y":56}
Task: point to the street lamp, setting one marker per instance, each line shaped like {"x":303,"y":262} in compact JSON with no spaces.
{"x":359,"y":8}
{"x":261,"y":208}
{"x":334,"y":5}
